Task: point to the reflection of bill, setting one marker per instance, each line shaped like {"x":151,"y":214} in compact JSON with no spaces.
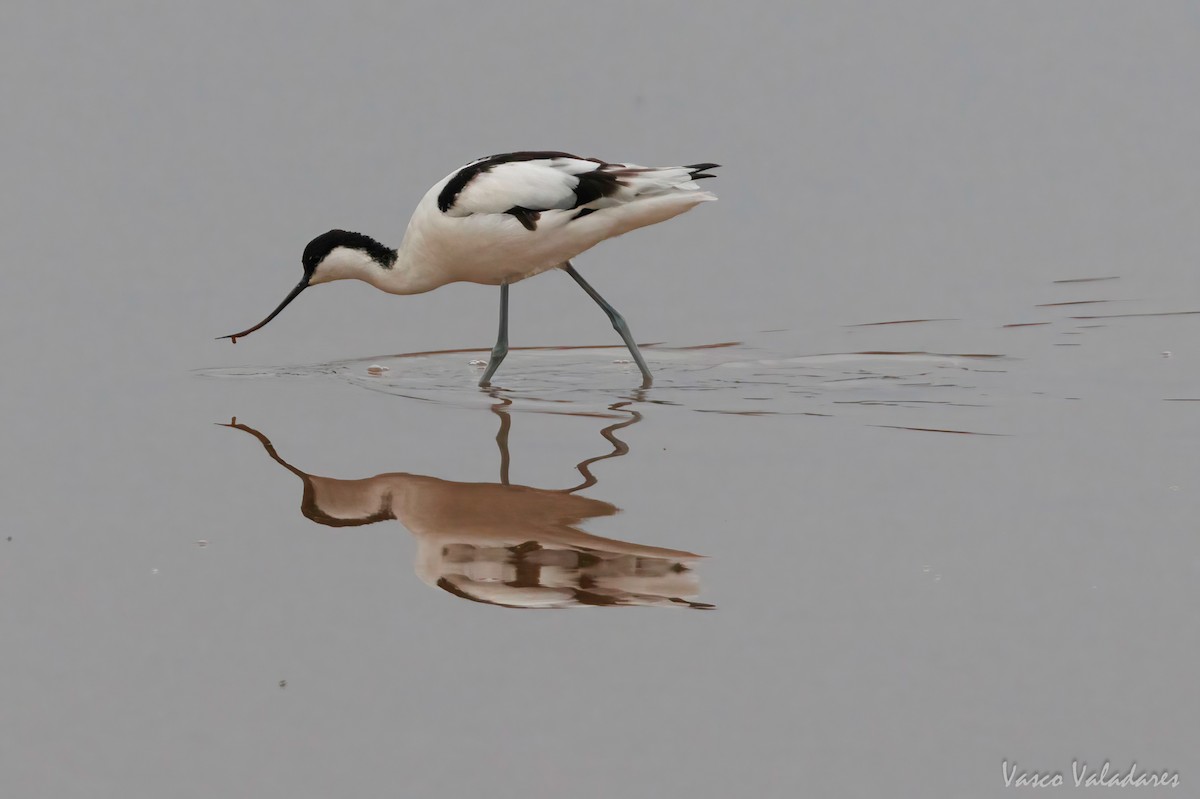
{"x":502,"y":544}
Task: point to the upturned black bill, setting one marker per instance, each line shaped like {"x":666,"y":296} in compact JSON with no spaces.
{"x":301,"y":286}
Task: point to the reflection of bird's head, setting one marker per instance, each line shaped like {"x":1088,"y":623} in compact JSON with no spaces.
{"x":332,"y":502}
{"x":320,"y":502}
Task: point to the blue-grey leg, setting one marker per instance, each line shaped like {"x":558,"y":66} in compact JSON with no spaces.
{"x":501,"y":348}
{"x":618,"y":323}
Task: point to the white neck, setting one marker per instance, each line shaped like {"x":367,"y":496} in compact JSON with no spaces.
{"x":348,"y":263}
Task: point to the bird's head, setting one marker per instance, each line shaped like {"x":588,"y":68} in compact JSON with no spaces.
{"x":335,"y":255}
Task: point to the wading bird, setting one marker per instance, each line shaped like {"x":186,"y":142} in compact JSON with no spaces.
{"x":502,"y":219}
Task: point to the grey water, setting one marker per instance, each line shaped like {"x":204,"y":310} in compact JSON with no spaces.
{"x":913,"y":498}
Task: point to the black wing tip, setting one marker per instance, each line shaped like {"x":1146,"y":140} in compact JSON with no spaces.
{"x":698,"y":171}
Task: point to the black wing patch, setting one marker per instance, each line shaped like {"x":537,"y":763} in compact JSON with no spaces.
{"x":525,"y":216}
{"x":594,"y":185}
{"x":456,"y":184}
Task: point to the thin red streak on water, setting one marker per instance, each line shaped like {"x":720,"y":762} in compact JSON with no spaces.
{"x":939,"y":430}
{"x":1131,"y":315}
{"x":901,"y":322}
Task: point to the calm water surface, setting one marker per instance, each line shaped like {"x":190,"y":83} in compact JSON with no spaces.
{"x":915,"y":491}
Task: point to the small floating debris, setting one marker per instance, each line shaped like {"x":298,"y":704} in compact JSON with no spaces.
{"x":202,"y":543}
{"x":1166,"y":353}
{"x":283,"y":683}
{"x":376,"y":369}
{"x":622,"y":360}
{"x":478,"y":362}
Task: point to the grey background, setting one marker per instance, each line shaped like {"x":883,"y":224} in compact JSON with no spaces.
{"x":899,"y":611}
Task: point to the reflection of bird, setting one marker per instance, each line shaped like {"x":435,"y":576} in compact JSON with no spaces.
{"x":502,"y":219}
{"x":503,"y":544}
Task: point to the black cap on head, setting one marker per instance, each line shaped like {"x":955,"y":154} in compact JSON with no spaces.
{"x":326,"y":243}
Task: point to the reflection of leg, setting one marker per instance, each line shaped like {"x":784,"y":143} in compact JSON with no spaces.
{"x":501,"y":410}
{"x":610,"y":434}
{"x":618,"y":323}
{"x":501,"y":348}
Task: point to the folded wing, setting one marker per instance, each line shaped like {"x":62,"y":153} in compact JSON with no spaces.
{"x":525,"y":184}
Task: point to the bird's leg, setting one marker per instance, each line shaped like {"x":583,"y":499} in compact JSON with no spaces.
{"x":501,"y":348}
{"x":618,"y":323}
